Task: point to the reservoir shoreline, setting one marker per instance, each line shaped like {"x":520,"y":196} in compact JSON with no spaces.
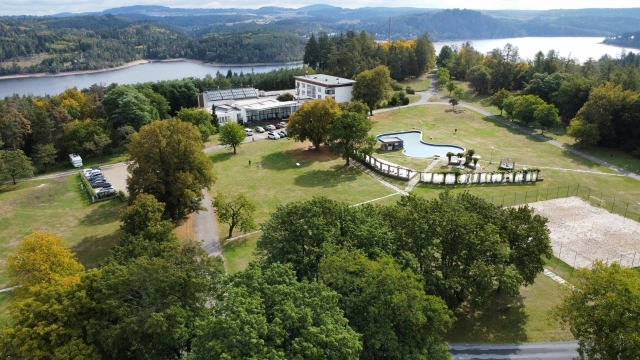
{"x":139,"y":62}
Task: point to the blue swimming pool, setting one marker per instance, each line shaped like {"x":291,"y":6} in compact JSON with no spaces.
{"x":415,"y":147}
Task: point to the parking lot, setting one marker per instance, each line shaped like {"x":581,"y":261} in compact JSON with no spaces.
{"x":117,"y":174}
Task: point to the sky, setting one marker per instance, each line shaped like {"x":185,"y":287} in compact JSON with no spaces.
{"x":48,"y":7}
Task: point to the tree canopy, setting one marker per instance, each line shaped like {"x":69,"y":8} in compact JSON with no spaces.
{"x":232,"y":134}
{"x":349,"y":135}
{"x":601,"y":310}
{"x":166,"y":161}
{"x":311,"y":121}
{"x":371,"y":86}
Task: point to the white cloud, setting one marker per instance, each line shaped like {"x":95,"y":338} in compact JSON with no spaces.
{"x":48,"y":7}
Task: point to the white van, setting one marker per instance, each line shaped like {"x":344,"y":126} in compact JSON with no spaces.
{"x":249,"y":132}
{"x":76,"y":160}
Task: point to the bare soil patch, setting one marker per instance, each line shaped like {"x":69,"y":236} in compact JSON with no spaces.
{"x":582,"y":233}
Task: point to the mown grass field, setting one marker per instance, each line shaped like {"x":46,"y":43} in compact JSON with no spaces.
{"x":274,"y":178}
{"x":560,"y":168}
{"x":60,"y":207}
{"x":502,"y":319}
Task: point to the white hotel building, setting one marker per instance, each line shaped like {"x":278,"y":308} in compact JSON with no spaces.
{"x":321,"y":86}
{"x":245,"y":105}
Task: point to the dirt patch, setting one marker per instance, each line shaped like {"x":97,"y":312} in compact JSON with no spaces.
{"x":582,"y":233}
{"x":185,"y":231}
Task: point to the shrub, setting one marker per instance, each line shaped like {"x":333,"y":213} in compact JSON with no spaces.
{"x":410,"y":90}
{"x":395,"y":86}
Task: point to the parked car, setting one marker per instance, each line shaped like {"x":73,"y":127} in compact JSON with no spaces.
{"x":259,"y":129}
{"x":283,"y":133}
{"x":283,"y":124}
{"x":91,"y":172}
{"x":107,"y":191}
{"x":270,"y":127}
{"x":272,"y":135}
{"x":96,"y":178}
{"x":249,"y":132}
{"x":278,"y":126}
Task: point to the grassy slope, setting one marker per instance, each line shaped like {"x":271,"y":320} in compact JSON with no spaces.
{"x":279,"y":180}
{"x":60,"y":207}
{"x":513,"y":320}
{"x":480,"y":134}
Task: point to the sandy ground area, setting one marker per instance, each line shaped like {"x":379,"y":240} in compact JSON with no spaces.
{"x":582,"y":233}
{"x":117,"y":176}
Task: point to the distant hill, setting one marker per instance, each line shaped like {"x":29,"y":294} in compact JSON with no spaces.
{"x":406,"y":22}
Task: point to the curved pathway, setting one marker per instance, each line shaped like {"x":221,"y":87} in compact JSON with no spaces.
{"x":433,"y":92}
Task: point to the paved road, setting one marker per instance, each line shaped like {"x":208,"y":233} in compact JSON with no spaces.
{"x":565,"y":350}
{"x":205,"y":227}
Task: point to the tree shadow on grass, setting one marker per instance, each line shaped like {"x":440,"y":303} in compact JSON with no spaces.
{"x":296,"y":158}
{"x":221,"y":156}
{"x":501,"y":320}
{"x":515,"y":128}
{"x":102,"y":213}
{"x":91,"y":250}
{"x":328,"y":178}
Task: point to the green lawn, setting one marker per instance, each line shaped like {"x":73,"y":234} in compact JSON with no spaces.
{"x":238,"y":253}
{"x":274,"y":179}
{"x":481,"y":134}
{"x":421,"y":83}
{"x":524,"y":318}
{"x":58,"y":206}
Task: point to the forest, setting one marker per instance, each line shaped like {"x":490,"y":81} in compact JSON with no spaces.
{"x":596,"y":101}
{"x":34,"y":44}
{"x":101,"y":119}
{"x":68,"y":42}
{"x":350,"y":53}
{"x":365,"y":282}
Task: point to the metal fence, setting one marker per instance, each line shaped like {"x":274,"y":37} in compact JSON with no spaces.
{"x":594,"y":197}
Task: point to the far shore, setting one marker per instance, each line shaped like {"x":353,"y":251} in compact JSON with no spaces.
{"x":139,"y":62}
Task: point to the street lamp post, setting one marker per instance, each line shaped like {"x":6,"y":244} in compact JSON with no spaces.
{"x":491,"y":160}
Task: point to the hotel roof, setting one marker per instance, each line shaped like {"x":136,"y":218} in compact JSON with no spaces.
{"x":320,"y":79}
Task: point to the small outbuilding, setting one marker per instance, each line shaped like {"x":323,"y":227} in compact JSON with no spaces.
{"x":391,"y":143}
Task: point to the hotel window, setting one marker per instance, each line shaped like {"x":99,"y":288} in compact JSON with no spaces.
{"x":330,"y":91}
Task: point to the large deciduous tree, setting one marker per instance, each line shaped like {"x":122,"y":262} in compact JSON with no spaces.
{"x":16,"y":164}
{"x":166,"y":161}
{"x":389,"y":307}
{"x":268,"y":314}
{"x":372,"y":86}
{"x":349,"y":134}
{"x":145,"y":211}
{"x":298,"y":233}
{"x":44,"y":154}
{"x":237,"y":212}
{"x":442,"y":77}
{"x":602,"y":311}
{"x":606,"y":108}
{"x":232,"y":134}
{"x":546,"y":116}
{"x":41,"y":258}
{"x":525,"y":107}
{"x":200,"y":118}
{"x":126,"y":106}
{"x":499,"y":98}
{"x":480,"y":78}
{"x":311,"y":121}
{"x":148,"y":307}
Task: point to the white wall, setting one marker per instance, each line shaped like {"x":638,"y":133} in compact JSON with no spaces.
{"x":343,"y":94}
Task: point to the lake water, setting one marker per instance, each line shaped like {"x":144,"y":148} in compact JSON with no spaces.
{"x":576,"y":47}
{"x":581,"y":48}
{"x":140,"y":73}
{"x":415,"y":147}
